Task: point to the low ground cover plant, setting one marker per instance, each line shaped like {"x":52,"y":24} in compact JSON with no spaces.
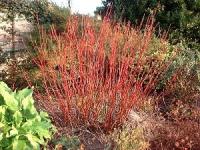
{"x":67,"y":142}
{"x":129,"y":138}
{"x":94,"y":77}
{"x":21,"y":125}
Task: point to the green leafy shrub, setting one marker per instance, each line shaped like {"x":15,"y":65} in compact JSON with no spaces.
{"x":182,"y":88}
{"x":46,"y":13}
{"x":21,"y":126}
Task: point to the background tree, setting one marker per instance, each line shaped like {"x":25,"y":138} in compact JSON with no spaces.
{"x":46,"y":13}
{"x":182,"y":16}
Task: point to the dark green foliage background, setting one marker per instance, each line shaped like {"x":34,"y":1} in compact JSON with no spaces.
{"x":181,"y":17}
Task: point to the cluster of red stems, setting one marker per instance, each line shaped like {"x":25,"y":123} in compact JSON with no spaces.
{"x":95,"y":74}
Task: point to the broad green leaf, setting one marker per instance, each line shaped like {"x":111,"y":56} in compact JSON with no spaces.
{"x":28,"y":105}
{"x":27,"y":126}
{"x":1,"y":125}
{"x":4,"y":87}
{"x":12,"y":132}
{"x":34,"y":141}
{"x":1,"y":100}
{"x":43,"y":133}
{"x":24,"y":94}
{"x":19,"y":145}
{"x":5,"y":142}
{"x":10,"y":100}
{"x":44,"y":114}
{"x":2,"y":113}
{"x":17,"y":118}
{"x":37,"y":118}
{"x":43,"y":130}
{"x":6,"y":128}
{"x":1,"y":136}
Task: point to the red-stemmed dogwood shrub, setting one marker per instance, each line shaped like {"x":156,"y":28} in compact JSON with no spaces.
{"x":95,"y":75}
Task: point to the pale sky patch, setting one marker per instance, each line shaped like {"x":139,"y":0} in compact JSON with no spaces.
{"x":81,"y":6}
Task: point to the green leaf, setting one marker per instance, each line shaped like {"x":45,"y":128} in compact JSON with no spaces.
{"x":44,"y":114}
{"x":12,"y":132}
{"x":43,"y":133}
{"x":1,"y":100}
{"x":28,"y":104}
{"x":28,"y":126}
{"x":10,"y":100}
{"x":1,"y":125}
{"x":2,"y":113}
{"x":34,"y":141}
{"x":1,"y":136}
{"x":17,"y":118}
{"x":4,"y":87}
{"x":24,"y":93}
{"x":19,"y":144}
{"x":5,"y":142}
